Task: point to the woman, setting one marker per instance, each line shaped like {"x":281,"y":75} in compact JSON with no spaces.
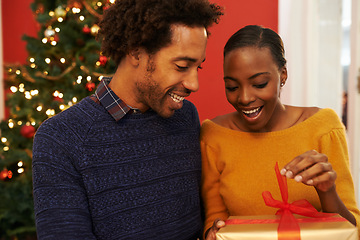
{"x":240,"y":149}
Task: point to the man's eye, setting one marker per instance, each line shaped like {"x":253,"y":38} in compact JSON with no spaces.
{"x":181,"y":68}
{"x":261,"y":85}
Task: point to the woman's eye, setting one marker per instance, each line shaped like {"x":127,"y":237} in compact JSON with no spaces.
{"x":261,"y":85}
{"x":230,"y":89}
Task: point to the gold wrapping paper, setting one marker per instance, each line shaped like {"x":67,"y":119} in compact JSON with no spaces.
{"x":342,"y":230}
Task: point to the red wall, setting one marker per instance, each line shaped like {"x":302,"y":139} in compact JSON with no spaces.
{"x":17,"y":19}
{"x":210,"y":100}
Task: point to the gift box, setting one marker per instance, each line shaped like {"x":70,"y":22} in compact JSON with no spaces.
{"x":293,"y":221}
{"x":265,"y":227}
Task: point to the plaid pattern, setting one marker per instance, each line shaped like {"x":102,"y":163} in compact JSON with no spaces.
{"x":110,"y":101}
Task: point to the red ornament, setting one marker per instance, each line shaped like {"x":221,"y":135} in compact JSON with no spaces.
{"x":4,"y":174}
{"x":56,"y":38}
{"x":106,"y":6}
{"x":40,"y":9}
{"x":90,"y":86}
{"x":75,"y":4}
{"x":58,"y":99}
{"x":86,"y":29}
{"x":27,"y":131}
{"x":103,"y":60}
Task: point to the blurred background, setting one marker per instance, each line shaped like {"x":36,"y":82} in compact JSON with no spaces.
{"x":51,"y":60}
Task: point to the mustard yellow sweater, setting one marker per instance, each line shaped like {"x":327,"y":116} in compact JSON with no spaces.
{"x":239,"y":166}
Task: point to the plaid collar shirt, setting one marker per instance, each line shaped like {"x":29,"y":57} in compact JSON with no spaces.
{"x":110,"y":101}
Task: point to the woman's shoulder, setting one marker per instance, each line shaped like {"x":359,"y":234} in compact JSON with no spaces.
{"x":322,"y":118}
{"x":303,"y":113}
{"x":226,"y":120}
{"x":217,"y":125}
{"x":221,"y":119}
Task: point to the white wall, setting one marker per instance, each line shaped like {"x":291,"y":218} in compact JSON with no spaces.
{"x":311,"y":31}
{"x":354,"y":95}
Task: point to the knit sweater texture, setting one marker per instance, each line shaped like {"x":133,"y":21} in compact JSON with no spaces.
{"x":239,"y":166}
{"x":136,"y":178}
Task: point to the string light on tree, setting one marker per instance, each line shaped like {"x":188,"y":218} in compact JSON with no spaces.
{"x":13,"y":89}
{"x":58,"y":94}
{"x":11,"y":123}
{"x":95,"y":29}
{"x":50,"y":112}
{"x":27,"y":95}
{"x":76,"y":10}
{"x":49,"y":32}
{"x":79,"y":79}
{"x":20,"y":165}
{"x":21,"y":87}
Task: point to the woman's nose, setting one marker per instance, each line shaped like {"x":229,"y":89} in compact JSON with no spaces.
{"x":246,"y":97}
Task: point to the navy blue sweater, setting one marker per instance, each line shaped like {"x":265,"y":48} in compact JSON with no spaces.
{"x":138,"y":178}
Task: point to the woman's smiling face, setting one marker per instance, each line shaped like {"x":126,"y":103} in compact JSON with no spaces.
{"x":252,"y":86}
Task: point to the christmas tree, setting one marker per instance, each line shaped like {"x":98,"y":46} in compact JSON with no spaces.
{"x":64,"y":65}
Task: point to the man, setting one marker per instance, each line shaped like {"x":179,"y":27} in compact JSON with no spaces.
{"x":125,"y":162}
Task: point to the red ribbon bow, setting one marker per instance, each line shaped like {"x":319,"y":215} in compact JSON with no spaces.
{"x":288,"y":228}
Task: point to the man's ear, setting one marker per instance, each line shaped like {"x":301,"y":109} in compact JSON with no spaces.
{"x":134,"y":56}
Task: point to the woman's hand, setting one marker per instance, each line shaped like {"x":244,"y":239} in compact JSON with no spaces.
{"x":311,"y":168}
{"x":211,"y":233}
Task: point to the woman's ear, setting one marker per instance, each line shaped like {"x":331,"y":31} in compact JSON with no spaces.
{"x":283,"y":76}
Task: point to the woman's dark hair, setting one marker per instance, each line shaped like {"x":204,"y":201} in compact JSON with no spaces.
{"x":132,"y":24}
{"x":257,"y":36}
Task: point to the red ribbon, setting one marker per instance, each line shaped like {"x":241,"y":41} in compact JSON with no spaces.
{"x":288,"y":228}
{"x":235,"y":221}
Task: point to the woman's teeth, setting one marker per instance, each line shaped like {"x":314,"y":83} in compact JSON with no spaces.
{"x":176,"y":97}
{"x":253,"y":112}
